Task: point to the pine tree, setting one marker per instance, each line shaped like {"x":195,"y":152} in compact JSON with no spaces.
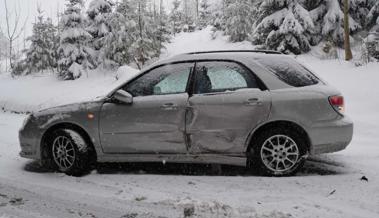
{"x":239,"y":20}
{"x":328,"y":18}
{"x":373,"y":15}
{"x":358,"y":10}
{"x":42,"y":53}
{"x":218,"y":22}
{"x":142,"y":48}
{"x":3,"y":46}
{"x":219,"y":16}
{"x":283,"y":25}
{"x":205,"y":14}
{"x":176,"y":17}
{"x":137,"y":35}
{"x":160,"y":30}
{"x":189,"y":15}
{"x":119,"y":40}
{"x":74,"y":54}
{"x":99,"y":13}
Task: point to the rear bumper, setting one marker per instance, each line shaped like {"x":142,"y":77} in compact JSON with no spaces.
{"x":331,"y":136}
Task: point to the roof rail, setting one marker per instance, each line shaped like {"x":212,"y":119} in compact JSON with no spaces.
{"x":235,"y":51}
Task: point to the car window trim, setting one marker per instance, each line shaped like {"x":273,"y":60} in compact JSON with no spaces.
{"x":228,"y":92}
{"x":261,"y":84}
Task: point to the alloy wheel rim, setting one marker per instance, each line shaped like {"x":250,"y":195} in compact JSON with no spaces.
{"x":63,"y":153}
{"x":280,"y":153}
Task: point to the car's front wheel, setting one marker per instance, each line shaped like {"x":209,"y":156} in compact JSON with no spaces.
{"x":279,"y":152}
{"x":70,"y":152}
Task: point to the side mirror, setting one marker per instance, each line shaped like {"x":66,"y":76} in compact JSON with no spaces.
{"x":123,"y":97}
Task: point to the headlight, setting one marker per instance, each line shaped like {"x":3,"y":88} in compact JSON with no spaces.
{"x":26,"y":120}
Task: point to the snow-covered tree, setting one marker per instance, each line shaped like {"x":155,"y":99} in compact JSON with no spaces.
{"x":42,"y":53}
{"x":3,"y":46}
{"x":373,"y":15}
{"x":142,"y":48}
{"x":119,"y":40}
{"x":189,"y":15}
{"x":160,"y":29}
{"x":328,"y":18}
{"x":127,"y":8}
{"x":372,"y":22}
{"x":283,"y":25}
{"x":137,"y":34}
{"x":74,"y":54}
{"x":239,"y":20}
{"x":205,"y":14}
{"x":358,"y":10}
{"x":3,"y":51}
{"x":219,"y":18}
{"x":176,"y":17}
{"x":99,"y":14}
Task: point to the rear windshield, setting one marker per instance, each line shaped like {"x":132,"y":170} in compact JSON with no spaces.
{"x":289,"y":71}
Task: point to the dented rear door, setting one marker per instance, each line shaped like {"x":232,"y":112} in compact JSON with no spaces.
{"x":219,"y":118}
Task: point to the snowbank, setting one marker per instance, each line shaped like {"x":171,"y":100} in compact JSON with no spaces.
{"x":33,"y":93}
{"x":202,"y":41}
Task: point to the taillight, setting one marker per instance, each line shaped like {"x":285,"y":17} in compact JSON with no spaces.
{"x":337,"y":103}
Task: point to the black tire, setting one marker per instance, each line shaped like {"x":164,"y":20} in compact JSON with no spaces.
{"x":79,"y":164}
{"x":256,"y":160}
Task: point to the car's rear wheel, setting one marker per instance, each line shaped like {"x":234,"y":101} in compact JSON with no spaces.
{"x":69,"y":152}
{"x":279,"y":152}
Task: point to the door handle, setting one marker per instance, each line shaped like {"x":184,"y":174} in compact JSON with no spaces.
{"x":253,"y":102}
{"x":169,"y":106}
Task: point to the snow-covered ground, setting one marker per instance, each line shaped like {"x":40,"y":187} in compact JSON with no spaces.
{"x":203,"y":40}
{"x":328,"y":186}
{"x":33,"y":93}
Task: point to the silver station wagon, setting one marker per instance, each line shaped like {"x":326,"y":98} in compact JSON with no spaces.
{"x":259,"y":109}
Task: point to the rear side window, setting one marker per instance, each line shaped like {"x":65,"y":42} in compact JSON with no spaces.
{"x":289,"y":71}
{"x":218,"y":76}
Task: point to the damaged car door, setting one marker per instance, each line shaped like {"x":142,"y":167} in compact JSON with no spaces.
{"x":226,"y":104}
{"x":154,"y":122}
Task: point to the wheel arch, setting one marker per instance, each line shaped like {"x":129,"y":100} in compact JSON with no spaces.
{"x":66,"y":125}
{"x":288,"y":124}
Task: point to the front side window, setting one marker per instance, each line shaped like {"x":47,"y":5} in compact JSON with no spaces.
{"x":212,"y":77}
{"x":168,"y":79}
{"x":289,"y":71}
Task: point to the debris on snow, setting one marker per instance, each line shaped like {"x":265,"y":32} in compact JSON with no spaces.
{"x":140,"y":198}
{"x":189,"y":210}
{"x":16,"y":201}
{"x":332,"y":192}
{"x":364,"y":178}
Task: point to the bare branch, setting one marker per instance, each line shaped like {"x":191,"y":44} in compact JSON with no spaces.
{"x":7,"y":15}
{"x":13,"y":32}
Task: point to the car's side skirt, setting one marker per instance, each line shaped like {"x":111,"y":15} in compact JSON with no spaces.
{"x":237,"y":159}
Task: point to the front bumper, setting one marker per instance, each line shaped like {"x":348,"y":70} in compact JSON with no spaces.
{"x":331,"y":136}
{"x":29,"y":136}
{"x":29,"y":147}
